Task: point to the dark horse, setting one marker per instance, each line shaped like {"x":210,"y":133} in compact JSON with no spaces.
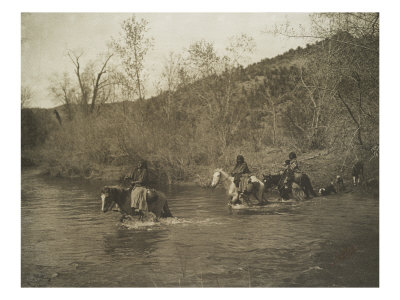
{"x":156,"y":201}
{"x":278,"y":180}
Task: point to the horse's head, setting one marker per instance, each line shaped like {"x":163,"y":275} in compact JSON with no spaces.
{"x":107,"y":199}
{"x":216,"y":178}
{"x":267,"y":179}
{"x":271,"y":180}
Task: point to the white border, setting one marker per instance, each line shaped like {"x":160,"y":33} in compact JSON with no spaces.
{"x":10,"y":121}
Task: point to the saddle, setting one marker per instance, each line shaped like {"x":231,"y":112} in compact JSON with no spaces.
{"x":245,"y":185}
{"x":151,"y":194}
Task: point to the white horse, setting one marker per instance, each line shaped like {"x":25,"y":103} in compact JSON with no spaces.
{"x":256,"y":197}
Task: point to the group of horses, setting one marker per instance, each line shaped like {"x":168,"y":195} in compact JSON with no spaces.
{"x":255,"y":193}
{"x":119,"y":198}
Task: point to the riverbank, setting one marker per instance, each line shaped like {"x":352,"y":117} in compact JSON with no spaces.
{"x":322,"y":166}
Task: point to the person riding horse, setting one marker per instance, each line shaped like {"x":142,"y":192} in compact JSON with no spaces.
{"x":293,"y":172}
{"x":239,"y":169}
{"x":286,"y":181}
{"x":139,"y":184}
{"x":139,"y":175}
{"x":294,"y":165}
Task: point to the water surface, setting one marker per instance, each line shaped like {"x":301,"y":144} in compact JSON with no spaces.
{"x":68,"y":242}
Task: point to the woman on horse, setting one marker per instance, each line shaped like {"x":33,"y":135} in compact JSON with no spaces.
{"x":139,"y":175}
{"x":239,"y":169}
{"x":139,"y":182}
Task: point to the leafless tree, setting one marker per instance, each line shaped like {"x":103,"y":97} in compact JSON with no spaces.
{"x":63,"y":92}
{"x":132,"y":47}
{"x":345,"y":70}
{"x":90,"y":82}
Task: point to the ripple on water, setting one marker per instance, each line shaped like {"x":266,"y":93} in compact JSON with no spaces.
{"x":321,"y":242}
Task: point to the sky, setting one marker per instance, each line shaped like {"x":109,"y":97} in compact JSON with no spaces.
{"x":45,"y":38}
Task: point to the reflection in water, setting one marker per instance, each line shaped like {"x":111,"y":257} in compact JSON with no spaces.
{"x":67,"y":241}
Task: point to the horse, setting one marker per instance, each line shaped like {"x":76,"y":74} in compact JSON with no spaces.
{"x":327,"y":190}
{"x":357,"y":173}
{"x":300,"y":187}
{"x":255,"y":188}
{"x":156,"y":201}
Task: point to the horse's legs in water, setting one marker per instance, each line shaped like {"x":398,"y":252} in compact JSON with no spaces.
{"x":284,"y":192}
{"x":234,"y":198}
{"x":141,"y":215}
{"x":166,"y":213}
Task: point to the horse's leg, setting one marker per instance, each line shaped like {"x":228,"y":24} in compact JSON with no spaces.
{"x":233,"y":194}
{"x":234,"y":198}
{"x":166,"y":212}
{"x":283,"y":192}
{"x":260,"y":193}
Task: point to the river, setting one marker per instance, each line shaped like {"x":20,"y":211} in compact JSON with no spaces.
{"x":66,"y":241}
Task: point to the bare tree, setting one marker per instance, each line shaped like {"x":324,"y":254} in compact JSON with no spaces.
{"x":341,"y":78}
{"x":132,"y":47}
{"x":99,"y":84}
{"x":63,"y":92}
{"x":90,"y":82}
{"x":171,"y":80}
{"x":84,"y":87}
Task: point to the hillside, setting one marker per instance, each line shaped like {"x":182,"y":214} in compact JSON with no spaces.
{"x":302,"y":100}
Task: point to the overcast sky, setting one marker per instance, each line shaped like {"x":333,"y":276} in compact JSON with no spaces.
{"x":47,"y":36}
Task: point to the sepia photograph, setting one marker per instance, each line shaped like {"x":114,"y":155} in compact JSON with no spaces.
{"x":200,"y":150}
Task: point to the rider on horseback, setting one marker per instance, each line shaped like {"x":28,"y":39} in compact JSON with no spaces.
{"x":241,"y":179}
{"x":295,"y":172}
{"x":139,"y":182}
{"x":294,"y":165}
{"x":239,"y":169}
{"x":285,"y":183}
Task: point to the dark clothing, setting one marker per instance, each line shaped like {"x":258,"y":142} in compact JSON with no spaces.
{"x":288,"y":176}
{"x":238,"y":171}
{"x":240,"y":168}
{"x":140,"y":177}
{"x":294,"y":165}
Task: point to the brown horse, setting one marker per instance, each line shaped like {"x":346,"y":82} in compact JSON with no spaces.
{"x":301,"y":187}
{"x":156,"y":201}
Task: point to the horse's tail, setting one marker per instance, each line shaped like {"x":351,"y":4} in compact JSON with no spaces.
{"x":306,"y":183}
